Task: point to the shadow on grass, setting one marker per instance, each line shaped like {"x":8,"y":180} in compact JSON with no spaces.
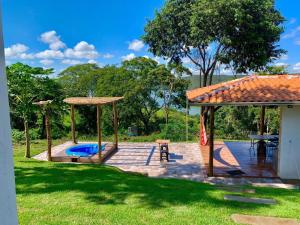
{"x":107,"y":185}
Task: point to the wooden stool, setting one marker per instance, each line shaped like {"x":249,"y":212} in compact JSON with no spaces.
{"x":163,"y":146}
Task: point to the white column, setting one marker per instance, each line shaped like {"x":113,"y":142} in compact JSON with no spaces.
{"x":289,"y":147}
{"x":8,"y":209}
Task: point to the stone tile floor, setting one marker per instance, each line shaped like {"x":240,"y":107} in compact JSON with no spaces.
{"x":186,"y":162}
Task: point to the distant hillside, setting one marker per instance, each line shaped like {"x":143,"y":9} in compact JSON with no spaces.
{"x":195,"y":80}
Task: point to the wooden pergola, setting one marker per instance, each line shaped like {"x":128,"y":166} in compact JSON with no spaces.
{"x":98,"y":102}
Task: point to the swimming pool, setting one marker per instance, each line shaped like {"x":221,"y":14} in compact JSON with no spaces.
{"x":84,"y":150}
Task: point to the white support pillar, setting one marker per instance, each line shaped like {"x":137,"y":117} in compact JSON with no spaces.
{"x":8,"y":209}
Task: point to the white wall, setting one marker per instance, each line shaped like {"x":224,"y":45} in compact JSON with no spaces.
{"x":289,"y":149}
{"x":8,"y":211}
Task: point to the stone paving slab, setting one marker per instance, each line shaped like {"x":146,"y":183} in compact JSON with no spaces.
{"x":256,"y":182}
{"x":236,"y":189}
{"x":185,"y":160}
{"x":262,"y":220}
{"x":250,"y":200}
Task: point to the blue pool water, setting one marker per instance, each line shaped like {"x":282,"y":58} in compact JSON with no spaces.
{"x":84,"y":150}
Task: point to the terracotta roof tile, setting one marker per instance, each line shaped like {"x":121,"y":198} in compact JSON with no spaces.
{"x":275,"y":89}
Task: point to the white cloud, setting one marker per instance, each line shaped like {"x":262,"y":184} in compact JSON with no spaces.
{"x":92,"y":61}
{"x":16,"y":51}
{"x":108,"y":56}
{"x":50,"y":54}
{"x":71,"y":61}
{"x":296,"y":67}
{"x":46,"y":62}
{"x":128,"y":57}
{"x":136,"y":45}
{"x":292,"y":33}
{"x":51,"y":38}
{"x":26,"y":56}
{"x":281,"y":64}
{"x":82,"y":50}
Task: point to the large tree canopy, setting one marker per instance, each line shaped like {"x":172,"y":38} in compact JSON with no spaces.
{"x":242,"y":34}
{"x":146,"y":86}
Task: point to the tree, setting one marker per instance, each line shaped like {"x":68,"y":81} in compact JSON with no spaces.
{"x":23,"y":90}
{"x":237,"y":33}
{"x":79,"y":80}
{"x":142,"y":82}
{"x":171,"y":88}
{"x":274,"y":70}
{"x":241,"y":34}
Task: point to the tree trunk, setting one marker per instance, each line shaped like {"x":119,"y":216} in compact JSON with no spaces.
{"x":27,"y":139}
{"x":200,"y":78}
{"x":146,"y":126}
{"x":48,"y":134}
{"x":167,"y":114}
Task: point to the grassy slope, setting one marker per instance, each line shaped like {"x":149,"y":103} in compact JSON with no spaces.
{"x":53,"y":193}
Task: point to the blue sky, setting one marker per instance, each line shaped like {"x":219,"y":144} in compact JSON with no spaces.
{"x":52,"y":33}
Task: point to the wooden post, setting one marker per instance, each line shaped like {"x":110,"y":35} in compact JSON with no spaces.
{"x":200,"y":126}
{"x":73,"y":124}
{"x":115,"y":115}
{"x":48,"y":134}
{"x":211,"y":142}
{"x":262,"y":120}
{"x":99,"y":114}
{"x":261,"y":146}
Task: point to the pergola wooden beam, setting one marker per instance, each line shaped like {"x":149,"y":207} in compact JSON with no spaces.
{"x":99,"y":131}
{"x":73,"y":124}
{"x":115,"y":119}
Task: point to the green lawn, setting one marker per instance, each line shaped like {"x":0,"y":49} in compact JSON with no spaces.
{"x":55,"y":193}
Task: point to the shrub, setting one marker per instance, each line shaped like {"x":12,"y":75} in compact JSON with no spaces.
{"x":17,"y":136}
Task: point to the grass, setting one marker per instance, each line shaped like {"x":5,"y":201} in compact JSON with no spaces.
{"x":57,"y":193}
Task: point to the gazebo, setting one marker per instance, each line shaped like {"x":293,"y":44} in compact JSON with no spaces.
{"x":98,"y":102}
{"x":276,"y":90}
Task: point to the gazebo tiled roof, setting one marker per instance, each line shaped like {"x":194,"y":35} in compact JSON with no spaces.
{"x":260,"y":90}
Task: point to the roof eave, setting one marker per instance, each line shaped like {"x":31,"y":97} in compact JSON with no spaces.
{"x":191,"y":103}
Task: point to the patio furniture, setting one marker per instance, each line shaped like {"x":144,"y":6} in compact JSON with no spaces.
{"x":163,"y":146}
{"x":262,"y":145}
{"x":255,"y":138}
{"x":271,"y":148}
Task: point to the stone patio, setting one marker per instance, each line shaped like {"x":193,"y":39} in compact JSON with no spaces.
{"x":186,"y":162}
